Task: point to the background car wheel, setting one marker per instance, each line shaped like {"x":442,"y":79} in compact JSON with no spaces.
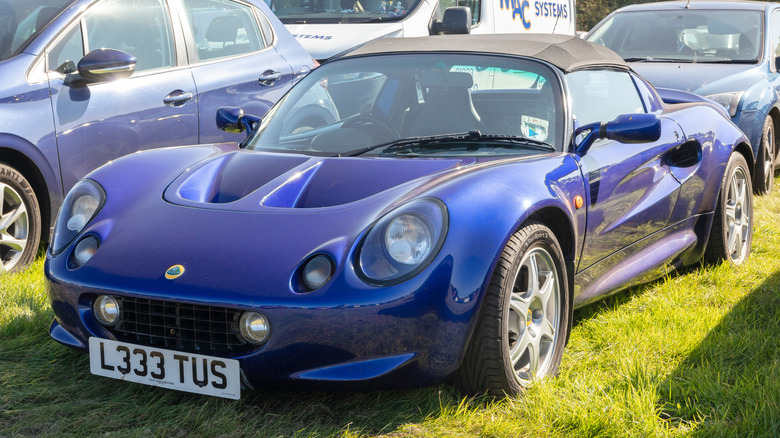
{"x":20,"y":220}
{"x":732,"y":226}
{"x":524,"y":320}
{"x":765,"y":168}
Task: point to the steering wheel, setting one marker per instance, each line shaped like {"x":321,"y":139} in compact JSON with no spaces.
{"x":386,"y":133}
{"x":313,"y":5}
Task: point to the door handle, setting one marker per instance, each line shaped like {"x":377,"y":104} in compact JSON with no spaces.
{"x":177,"y":98}
{"x":269,"y":77}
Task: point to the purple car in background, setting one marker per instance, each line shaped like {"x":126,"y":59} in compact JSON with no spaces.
{"x":87,"y":81}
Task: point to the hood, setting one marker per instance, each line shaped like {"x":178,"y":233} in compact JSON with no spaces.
{"x":323,"y":41}
{"x":249,"y":180}
{"x":703,"y":79}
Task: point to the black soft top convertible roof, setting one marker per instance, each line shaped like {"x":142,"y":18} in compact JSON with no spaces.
{"x":563,"y":51}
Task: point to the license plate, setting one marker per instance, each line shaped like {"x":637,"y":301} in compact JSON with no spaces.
{"x":177,"y":370}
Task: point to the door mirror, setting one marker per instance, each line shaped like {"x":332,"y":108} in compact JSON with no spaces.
{"x":233,"y":120}
{"x":457,"y":20}
{"x":103,"y":65}
{"x":626,"y":128}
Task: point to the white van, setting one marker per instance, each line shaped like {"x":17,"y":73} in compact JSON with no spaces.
{"x":327,"y":28}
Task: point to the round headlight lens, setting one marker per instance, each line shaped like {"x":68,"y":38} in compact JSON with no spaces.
{"x":254,"y":327}
{"x":408,"y":239}
{"x":316,"y":272}
{"x":403,"y":242}
{"x":106,"y":310}
{"x":84,"y":251}
{"x":79,"y":207}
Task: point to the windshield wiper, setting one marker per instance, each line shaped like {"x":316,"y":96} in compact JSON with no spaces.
{"x":656,"y":59}
{"x":475,"y":138}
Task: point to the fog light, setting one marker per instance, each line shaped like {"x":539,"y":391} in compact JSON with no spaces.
{"x":317,"y":272}
{"x":106,"y":310}
{"x":254,"y":327}
{"x":84,"y":251}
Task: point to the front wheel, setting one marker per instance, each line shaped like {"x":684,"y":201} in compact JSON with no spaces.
{"x":732,"y":226}
{"x":524,"y":320}
{"x":765,"y":166}
{"x":20,"y":220}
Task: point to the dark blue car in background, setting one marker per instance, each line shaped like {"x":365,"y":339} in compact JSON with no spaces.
{"x":87,"y":81}
{"x":726,"y":51}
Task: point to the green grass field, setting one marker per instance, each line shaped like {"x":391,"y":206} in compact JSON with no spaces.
{"x":694,"y":354}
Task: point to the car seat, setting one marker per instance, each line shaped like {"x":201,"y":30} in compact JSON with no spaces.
{"x":447,"y":106}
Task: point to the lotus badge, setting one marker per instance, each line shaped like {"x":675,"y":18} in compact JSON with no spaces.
{"x":174,"y":272}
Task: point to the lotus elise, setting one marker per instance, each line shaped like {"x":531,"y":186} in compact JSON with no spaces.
{"x":420,"y":210}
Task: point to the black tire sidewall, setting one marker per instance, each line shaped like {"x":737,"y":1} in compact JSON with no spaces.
{"x":718,"y":241}
{"x":535,"y":236}
{"x":14,"y":179}
{"x":760,"y":186}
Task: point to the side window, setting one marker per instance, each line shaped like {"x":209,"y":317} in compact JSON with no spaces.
{"x":70,"y":48}
{"x":141,"y":28}
{"x":222,"y":28}
{"x":602,"y":95}
{"x":474,"y":5}
{"x":775,"y":35}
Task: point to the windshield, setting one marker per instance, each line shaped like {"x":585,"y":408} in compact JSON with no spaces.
{"x":446,"y":104}
{"x":340,"y":11}
{"x":683,"y":35}
{"x":21,"y":20}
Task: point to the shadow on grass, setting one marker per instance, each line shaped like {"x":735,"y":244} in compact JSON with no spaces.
{"x":730,"y":384}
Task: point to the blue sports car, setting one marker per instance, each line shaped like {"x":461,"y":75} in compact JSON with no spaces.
{"x":471,"y":193}
{"x":724,"y":50}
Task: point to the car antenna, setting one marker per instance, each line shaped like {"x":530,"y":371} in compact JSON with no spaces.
{"x":688,"y":4}
{"x":556,"y":22}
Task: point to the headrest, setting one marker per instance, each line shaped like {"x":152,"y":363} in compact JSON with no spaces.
{"x":223,"y":29}
{"x":446,"y":79}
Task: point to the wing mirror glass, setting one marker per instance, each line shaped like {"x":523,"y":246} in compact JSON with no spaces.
{"x":626,"y":128}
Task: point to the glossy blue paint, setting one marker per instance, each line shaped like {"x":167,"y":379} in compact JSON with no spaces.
{"x":241,"y":222}
{"x":55,"y":128}
{"x":758,"y":80}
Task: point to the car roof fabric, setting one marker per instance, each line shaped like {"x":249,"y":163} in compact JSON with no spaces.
{"x":563,"y":51}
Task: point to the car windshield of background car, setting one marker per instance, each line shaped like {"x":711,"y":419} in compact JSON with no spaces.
{"x":340,"y":11}
{"x":21,"y":20}
{"x":689,"y":35}
{"x":346,"y":106}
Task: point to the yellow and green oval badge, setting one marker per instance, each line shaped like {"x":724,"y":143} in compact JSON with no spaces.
{"x":174,"y":272}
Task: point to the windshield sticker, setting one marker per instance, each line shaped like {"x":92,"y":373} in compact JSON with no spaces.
{"x":533,"y":128}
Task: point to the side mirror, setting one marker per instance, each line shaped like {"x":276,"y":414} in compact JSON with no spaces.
{"x":232,"y":119}
{"x":103,"y":65}
{"x":457,"y":20}
{"x":626,"y":128}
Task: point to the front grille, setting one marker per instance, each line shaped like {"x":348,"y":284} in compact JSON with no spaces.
{"x":185,"y":327}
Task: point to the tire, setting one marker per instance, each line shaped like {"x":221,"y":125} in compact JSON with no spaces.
{"x":522,"y":326}
{"x":765,"y":164}
{"x":732,"y":225}
{"x":20,"y":220}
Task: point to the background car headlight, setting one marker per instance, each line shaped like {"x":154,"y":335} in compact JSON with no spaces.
{"x":403,"y":242}
{"x":82,"y":204}
{"x":730,"y":101}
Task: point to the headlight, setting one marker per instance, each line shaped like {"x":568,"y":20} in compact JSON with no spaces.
{"x":254,"y":327}
{"x":82,"y":204}
{"x":403,"y":242}
{"x":106,"y":310}
{"x":730,"y":101}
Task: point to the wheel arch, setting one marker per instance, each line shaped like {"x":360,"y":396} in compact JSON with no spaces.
{"x":744,"y":149}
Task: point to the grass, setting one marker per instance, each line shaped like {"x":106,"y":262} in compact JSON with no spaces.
{"x":693,"y":354}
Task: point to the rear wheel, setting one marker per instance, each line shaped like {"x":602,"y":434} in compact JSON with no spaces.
{"x":20,"y":220}
{"x":524,"y":318}
{"x":765,"y":167}
{"x":732,"y":226}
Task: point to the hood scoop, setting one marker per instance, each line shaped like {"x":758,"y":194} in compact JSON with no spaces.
{"x":247,"y":180}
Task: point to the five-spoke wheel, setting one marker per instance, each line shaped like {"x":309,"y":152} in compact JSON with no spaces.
{"x":20,"y":222}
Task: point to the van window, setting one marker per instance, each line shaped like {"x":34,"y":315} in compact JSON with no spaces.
{"x":474,"y":5}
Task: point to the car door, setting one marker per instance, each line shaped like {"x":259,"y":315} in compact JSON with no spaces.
{"x":234,"y":62}
{"x":632,"y":191}
{"x":155,"y":107}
